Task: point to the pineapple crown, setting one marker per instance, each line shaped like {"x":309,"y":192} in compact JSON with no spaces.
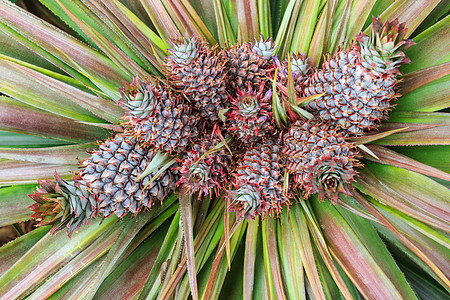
{"x":331,"y":177}
{"x":203,"y":170}
{"x":139,"y":99}
{"x":251,"y":114}
{"x":264,"y":48}
{"x":300,"y":66}
{"x":248,"y":201}
{"x":185,"y":50}
{"x":50,"y":206}
{"x":382,"y":51}
{"x":61,"y":205}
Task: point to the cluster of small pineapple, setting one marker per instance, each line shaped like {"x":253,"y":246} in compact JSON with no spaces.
{"x":217,"y":116}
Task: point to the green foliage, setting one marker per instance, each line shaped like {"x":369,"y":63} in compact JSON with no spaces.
{"x":59,"y":92}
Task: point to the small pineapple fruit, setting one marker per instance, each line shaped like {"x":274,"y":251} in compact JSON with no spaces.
{"x":165,"y":123}
{"x":301,"y":71}
{"x":359,"y":83}
{"x":202,"y":170}
{"x":258,"y":182}
{"x":250,"y":116}
{"x":107,"y":184}
{"x":63,"y":204}
{"x":247,"y":64}
{"x":200,"y":76}
{"x":320,"y":159}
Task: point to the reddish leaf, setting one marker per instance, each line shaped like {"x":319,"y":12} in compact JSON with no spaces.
{"x":21,"y":118}
{"x":413,"y":194}
{"x":392,"y":158}
{"x":416,"y":79}
{"x":62,"y":155}
{"x":12,"y":171}
{"x":361,"y":253}
{"x":53,"y":41}
{"x":186,"y":218}
{"x":364,"y":203}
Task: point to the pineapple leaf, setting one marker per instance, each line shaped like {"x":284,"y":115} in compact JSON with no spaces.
{"x":291,"y":262}
{"x":17,"y":140}
{"x":414,"y":80}
{"x":21,"y":118}
{"x":359,"y":14}
{"x":186,"y":218}
{"x":387,"y":156}
{"x":279,"y":111}
{"x":18,"y":172}
{"x":161,"y":261}
{"x":135,"y":267}
{"x":271,"y":259}
{"x":424,"y":129}
{"x":298,"y":224}
{"x":251,"y":241}
{"x":40,"y":90}
{"x":356,"y":246}
{"x":248,"y":22}
{"x":160,"y":171}
{"x":424,"y":244}
{"x":52,"y":43}
{"x":367,"y":151}
{"x":264,"y":18}
{"x":224,"y":27}
{"x":427,"y":204}
{"x":429,"y":50}
{"x":285,"y":31}
{"x":431,"y":97}
{"x":121,"y":240}
{"x":220,"y":266}
{"x":14,"y":204}
{"x":159,"y":160}
{"x":61,"y":155}
{"x":47,"y":256}
{"x":360,"y":140}
{"x":409,"y":11}
{"x":14,"y":250}
{"x":79,"y":262}
{"x":362,"y":201}
{"x":435,"y":156}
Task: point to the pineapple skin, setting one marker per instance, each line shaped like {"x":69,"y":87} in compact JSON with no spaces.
{"x":319,"y":159}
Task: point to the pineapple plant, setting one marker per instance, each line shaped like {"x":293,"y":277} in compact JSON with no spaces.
{"x":201,"y":184}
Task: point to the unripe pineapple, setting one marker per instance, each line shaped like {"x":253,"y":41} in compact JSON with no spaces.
{"x":158,"y":117}
{"x":247,"y":64}
{"x":359,"y":83}
{"x":258,"y":182}
{"x":202,"y":170}
{"x":320,"y":159}
{"x":112,"y":173}
{"x":200,"y":77}
{"x":107,"y":184}
{"x":301,"y":71}
{"x":250,"y":116}
{"x":171,"y":127}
